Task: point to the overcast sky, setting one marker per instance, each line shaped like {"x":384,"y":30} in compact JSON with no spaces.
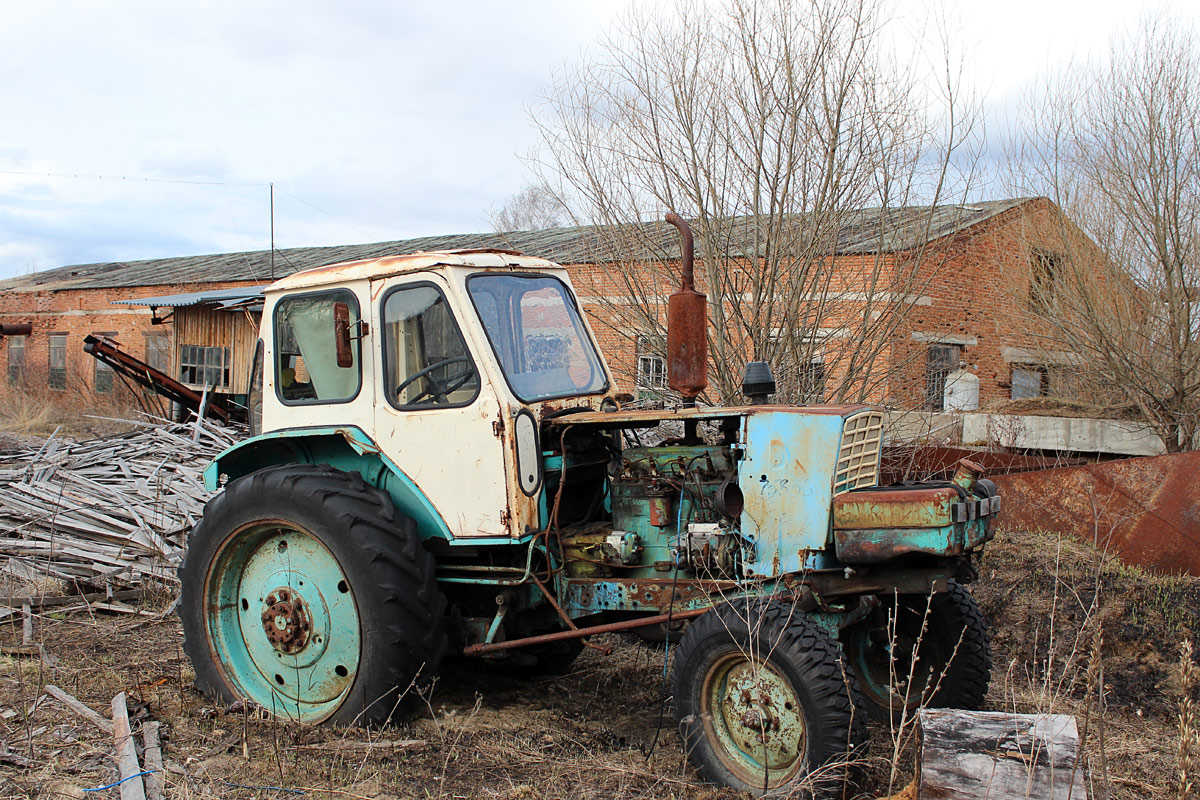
{"x":375,"y":120}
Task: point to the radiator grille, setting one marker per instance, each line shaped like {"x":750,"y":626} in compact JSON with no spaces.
{"x":858,"y":458}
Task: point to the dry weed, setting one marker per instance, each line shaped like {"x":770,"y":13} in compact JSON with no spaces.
{"x":31,"y":408}
{"x":1188,"y":750}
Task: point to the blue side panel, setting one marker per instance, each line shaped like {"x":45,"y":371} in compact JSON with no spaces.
{"x":787,"y":480}
{"x":345,"y":447}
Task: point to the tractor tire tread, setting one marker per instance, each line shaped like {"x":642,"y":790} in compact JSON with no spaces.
{"x":411,"y":619}
{"x":797,"y":638}
{"x":971,"y":670}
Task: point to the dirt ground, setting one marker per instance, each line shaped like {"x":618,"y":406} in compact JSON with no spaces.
{"x":594,"y":733}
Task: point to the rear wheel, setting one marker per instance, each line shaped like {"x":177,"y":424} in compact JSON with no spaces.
{"x":922,"y":652}
{"x":305,"y":592}
{"x":763,"y":703}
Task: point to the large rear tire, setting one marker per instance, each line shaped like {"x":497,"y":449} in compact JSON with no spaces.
{"x":932,"y":652}
{"x":763,"y":702}
{"x":305,"y":592}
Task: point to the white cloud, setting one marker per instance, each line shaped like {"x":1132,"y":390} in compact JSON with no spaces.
{"x":400,"y":118}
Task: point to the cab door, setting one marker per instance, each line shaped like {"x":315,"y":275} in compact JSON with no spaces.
{"x":435,"y":415}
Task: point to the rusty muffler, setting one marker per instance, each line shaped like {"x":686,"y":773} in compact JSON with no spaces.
{"x":687,"y":326}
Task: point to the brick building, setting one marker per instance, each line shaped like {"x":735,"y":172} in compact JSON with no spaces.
{"x":968,"y":312}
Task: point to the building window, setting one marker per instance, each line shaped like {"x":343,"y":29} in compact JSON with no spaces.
{"x":1030,"y":381}
{"x":940,"y":361}
{"x":16,"y":359}
{"x":651,"y":367}
{"x":812,"y":381}
{"x":57,"y":375}
{"x":204,"y":366}
{"x":158,"y":351}
{"x":102,"y":379}
{"x":1045,"y":269}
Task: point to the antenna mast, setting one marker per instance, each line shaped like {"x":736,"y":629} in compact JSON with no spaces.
{"x":272,"y":185}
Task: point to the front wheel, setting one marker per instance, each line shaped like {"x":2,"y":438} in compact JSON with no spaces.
{"x":305,"y":592}
{"x":763,"y":702}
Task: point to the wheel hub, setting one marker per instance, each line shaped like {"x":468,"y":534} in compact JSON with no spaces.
{"x":286,"y":620}
{"x":756,"y":715}
{"x":755,"y":720}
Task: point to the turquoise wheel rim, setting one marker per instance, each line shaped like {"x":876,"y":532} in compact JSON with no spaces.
{"x":874,"y":667}
{"x":282,"y":620}
{"x":754,"y":717}
{"x":886,"y":671}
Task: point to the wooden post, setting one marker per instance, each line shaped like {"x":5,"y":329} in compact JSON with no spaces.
{"x":154,"y":764}
{"x":978,"y":755}
{"x":127,"y":762}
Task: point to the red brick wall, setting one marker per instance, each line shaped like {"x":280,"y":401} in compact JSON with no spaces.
{"x":79,"y":312}
{"x":972,"y":287}
{"x":982,"y":294}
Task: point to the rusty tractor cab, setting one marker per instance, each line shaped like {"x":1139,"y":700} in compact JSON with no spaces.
{"x":443,"y":468}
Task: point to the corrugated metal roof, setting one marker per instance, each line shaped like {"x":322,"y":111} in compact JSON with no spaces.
{"x":862,"y":231}
{"x":222,"y":297}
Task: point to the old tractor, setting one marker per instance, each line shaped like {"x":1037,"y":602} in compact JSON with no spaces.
{"x":441,"y":467}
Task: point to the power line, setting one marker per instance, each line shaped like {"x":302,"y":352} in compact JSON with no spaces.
{"x":129,"y":178}
{"x":322,"y":211}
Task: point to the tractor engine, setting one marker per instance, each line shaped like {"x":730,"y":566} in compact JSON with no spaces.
{"x":679,"y":504}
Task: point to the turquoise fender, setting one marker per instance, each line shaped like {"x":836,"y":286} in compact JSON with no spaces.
{"x":344,"y":447}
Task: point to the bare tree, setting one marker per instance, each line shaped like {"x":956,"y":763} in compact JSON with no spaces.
{"x":1116,"y":144}
{"x":771,"y":124}
{"x":534,"y":208}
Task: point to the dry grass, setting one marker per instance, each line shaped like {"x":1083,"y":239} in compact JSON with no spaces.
{"x":487,"y":735}
{"x":1077,"y":632}
{"x":589,"y":734}
{"x":31,"y":408}
{"x":1061,"y":407}
{"x":1188,"y":746}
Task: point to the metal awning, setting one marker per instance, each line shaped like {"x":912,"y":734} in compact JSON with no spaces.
{"x":225,"y":298}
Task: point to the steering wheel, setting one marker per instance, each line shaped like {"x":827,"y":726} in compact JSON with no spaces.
{"x":437,"y":391}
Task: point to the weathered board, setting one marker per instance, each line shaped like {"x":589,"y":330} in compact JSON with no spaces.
{"x":973,"y":755}
{"x":109,"y":510}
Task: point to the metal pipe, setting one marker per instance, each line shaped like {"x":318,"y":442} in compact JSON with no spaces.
{"x":578,"y":633}
{"x":563,"y":614}
{"x":687,"y":252}
{"x":16,"y":328}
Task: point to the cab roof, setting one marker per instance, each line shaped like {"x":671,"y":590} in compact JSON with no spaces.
{"x":386,"y":266}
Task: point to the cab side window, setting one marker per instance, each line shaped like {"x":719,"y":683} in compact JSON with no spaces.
{"x":426,"y":361}
{"x":306,"y":354}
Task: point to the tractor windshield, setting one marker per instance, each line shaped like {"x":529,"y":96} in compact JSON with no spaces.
{"x":537,"y":335}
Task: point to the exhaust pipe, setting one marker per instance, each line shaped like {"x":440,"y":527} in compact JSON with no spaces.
{"x":687,"y":326}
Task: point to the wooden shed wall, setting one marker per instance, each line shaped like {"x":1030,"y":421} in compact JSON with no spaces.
{"x":209,"y":327}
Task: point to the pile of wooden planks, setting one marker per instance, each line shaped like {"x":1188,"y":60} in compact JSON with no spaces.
{"x":110,"y":511}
